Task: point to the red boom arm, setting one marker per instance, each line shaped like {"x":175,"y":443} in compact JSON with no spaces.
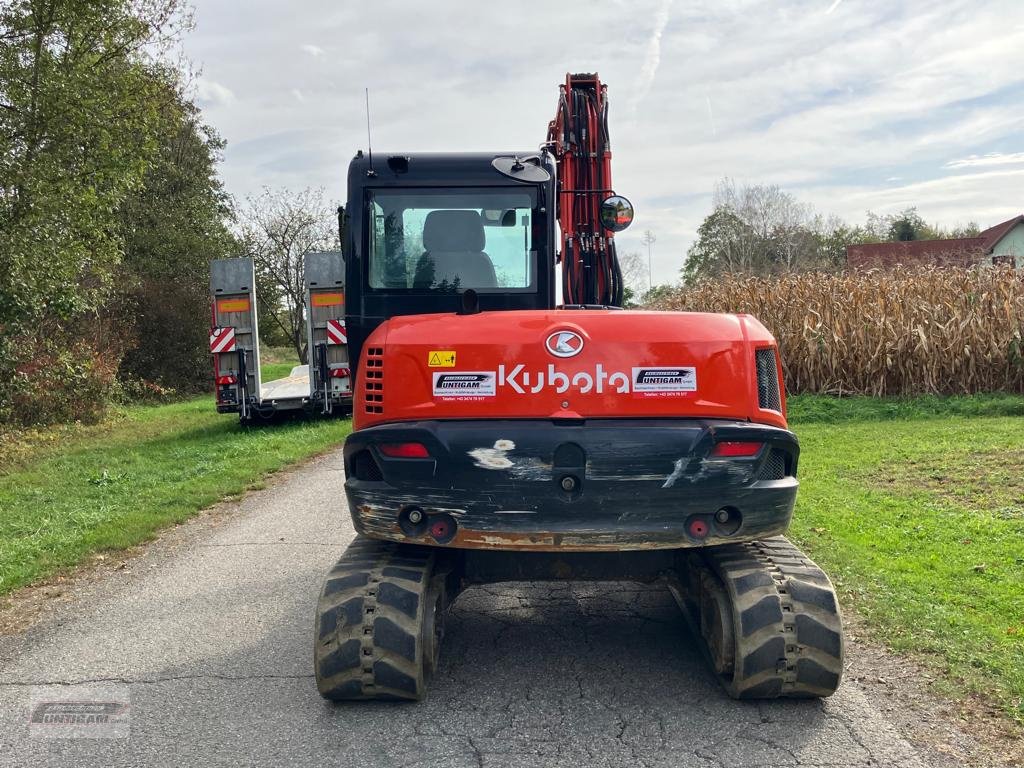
{"x":578,"y":137}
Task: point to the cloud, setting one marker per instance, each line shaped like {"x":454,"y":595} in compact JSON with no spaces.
{"x":993,"y":158}
{"x":903,"y":103}
{"x":652,"y":57}
{"x":833,"y":7}
{"x":210,"y":93}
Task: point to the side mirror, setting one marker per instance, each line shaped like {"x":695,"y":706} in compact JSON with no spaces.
{"x":616,"y":213}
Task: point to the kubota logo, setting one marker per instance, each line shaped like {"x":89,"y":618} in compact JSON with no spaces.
{"x":564,"y":344}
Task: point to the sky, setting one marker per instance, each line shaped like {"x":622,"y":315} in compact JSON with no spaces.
{"x":850,"y":105}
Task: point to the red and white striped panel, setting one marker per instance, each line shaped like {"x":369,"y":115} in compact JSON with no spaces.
{"x":336,"y":333}
{"x":222,"y":340}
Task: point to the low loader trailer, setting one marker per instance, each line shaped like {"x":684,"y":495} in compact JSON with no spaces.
{"x":324,"y":386}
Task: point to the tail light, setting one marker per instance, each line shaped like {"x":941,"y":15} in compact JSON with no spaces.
{"x":341,"y":373}
{"x":404,"y":450}
{"x":736,"y":449}
{"x":224,"y":380}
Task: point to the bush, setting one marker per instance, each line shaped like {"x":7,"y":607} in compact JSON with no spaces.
{"x":60,"y":378}
{"x":897,"y":332}
{"x":170,"y":348}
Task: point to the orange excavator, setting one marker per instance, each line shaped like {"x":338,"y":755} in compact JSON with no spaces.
{"x":501,"y":434}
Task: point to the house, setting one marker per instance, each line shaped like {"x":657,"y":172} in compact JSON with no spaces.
{"x":1001,"y":244}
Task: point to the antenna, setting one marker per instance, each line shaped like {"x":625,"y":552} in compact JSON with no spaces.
{"x":369,"y":144}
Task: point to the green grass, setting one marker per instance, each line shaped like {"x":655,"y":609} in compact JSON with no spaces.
{"x":116,"y":484}
{"x":805,"y":409}
{"x":271,"y":371}
{"x":916,"y":509}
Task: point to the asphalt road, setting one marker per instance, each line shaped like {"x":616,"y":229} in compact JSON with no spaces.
{"x":210,"y":634}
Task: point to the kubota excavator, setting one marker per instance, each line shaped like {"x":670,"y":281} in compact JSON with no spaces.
{"x":499,"y":436}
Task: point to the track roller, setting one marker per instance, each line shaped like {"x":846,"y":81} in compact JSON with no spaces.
{"x":769,"y":619}
{"x":380,"y":621}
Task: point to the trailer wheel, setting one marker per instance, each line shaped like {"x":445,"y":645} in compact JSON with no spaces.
{"x":379,"y":623}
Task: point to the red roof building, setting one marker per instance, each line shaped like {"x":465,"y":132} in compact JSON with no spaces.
{"x":1001,"y":244}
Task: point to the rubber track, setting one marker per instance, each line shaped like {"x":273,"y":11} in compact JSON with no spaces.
{"x":788,"y":629}
{"x":369,"y":622}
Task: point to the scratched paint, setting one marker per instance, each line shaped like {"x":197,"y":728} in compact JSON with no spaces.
{"x":493,"y":458}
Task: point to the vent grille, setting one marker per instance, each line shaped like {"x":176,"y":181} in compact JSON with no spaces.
{"x":365,"y":467}
{"x":374,"y":378}
{"x":774,"y":467}
{"x":768,"y":396}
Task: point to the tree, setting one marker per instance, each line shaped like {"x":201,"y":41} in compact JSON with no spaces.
{"x":80,"y":95}
{"x":172,"y":227}
{"x":649,"y":239}
{"x":634,"y":277}
{"x":908,"y":225}
{"x":723,"y":245}
{"x":753,"y":229}
{"x":277,"y":229}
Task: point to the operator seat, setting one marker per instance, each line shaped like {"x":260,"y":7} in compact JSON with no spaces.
{"x":454,"y":243}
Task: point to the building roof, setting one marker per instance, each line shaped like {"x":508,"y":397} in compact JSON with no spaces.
{"x":994,"y":234}
{"x":963,"y":251}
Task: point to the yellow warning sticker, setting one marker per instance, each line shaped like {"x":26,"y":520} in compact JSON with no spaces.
{"x":328,"y":299}
{"x":441,"y":358}
{"x":233,"y":305}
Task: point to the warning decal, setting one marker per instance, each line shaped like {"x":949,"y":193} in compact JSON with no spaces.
{"x":233,"y":305}
{"x":336,"y":333}
{"x":328,"y":299}
{"x":670,"y":381}
{"x":222,"y":340}
{"x":465,"y":384}
{"x":441,"y":358}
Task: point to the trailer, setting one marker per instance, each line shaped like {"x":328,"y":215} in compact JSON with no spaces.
{"x":322,"y":387}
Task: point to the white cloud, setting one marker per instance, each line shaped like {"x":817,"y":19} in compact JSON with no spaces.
{"x":993,"y":158}
{"x":212,"y":94}
{"x":886,"y":109}
{"x":652,"y":57}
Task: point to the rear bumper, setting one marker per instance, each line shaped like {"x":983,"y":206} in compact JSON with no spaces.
{"x":640,"y":483}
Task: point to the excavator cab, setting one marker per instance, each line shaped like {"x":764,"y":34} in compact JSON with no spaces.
{"x":422,"y":230}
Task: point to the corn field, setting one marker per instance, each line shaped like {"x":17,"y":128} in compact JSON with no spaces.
{"x":895,"y":332}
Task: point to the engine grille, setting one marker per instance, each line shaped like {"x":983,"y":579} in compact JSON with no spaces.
{"x":768,"y":395}
{"x":374,"y":377}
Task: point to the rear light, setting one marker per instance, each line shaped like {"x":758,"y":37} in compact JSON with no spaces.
{"x":222,"y":380}
{"x":341,"y":373}
{"x":404,"y":450}
{"x":735,"y":448}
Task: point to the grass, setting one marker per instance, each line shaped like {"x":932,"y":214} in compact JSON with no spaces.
{"x":271,"y":371}
{"x":916,"y":509}
{"x":914,"y":506}
{"x":113,"y":485}
{"x":276,"y":362}
{"x":806,"y":409}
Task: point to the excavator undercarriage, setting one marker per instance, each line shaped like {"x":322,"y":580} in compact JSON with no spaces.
{"x":766,"y":616}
